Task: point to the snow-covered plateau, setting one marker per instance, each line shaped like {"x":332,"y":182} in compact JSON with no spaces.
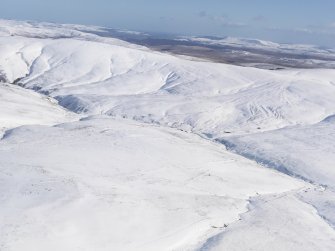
{"x":108,"y":145}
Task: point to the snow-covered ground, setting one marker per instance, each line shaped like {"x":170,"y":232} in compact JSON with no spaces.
{"x":101,"y":183}
{"x":143,"y":165}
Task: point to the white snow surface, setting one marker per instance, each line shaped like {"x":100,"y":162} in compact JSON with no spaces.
{"x":272,"y":224}
{"x":144,"y":165}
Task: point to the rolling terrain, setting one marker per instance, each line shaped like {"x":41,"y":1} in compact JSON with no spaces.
{"x":110,"y":145}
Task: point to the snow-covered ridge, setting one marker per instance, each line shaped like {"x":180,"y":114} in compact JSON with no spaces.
{"x":44,"y":30}
{"x":261,"y":44}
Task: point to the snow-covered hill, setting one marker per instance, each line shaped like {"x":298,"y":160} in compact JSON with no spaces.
{"x":143,"y":164}
{"x":263,"y":45}
{"x":97,"y":77}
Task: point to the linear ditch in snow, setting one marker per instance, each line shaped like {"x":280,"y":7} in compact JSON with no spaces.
{"x":231,"y":147}
{"x":264,"y":162}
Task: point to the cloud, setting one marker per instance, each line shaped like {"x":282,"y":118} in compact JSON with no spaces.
{"x":203,"y":13}
{"x":258,"y":18}
{"x":220,"y":19}
{"x":166,"y":19}
{"x":234,"y":24}
{"x":310,"y":29}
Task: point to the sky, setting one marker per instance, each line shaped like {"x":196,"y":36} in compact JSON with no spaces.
{"x":287,"y":21}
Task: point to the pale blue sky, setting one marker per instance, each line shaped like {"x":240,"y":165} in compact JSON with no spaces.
{"x":292,"y":21}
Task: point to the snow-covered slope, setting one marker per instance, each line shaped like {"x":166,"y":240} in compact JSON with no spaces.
{"x":111,"y":182}
{"x":23,"y":107}
{"x":102,"y":183}
{"x":304,"y":151}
